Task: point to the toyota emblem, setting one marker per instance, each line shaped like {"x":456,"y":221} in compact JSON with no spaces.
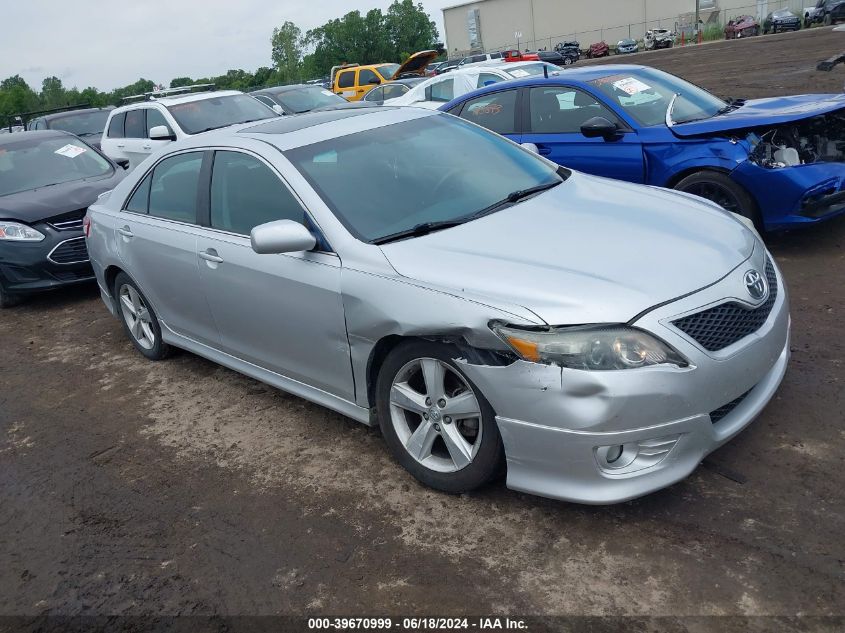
{"x":755,"y":284}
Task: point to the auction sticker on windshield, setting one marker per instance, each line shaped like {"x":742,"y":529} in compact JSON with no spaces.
{"x":70,"y":150}
{"x":631,"y":85}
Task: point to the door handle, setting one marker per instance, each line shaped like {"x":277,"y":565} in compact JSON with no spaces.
{"x":544,"y":151}
{"x":126,"y":232}
{"x":147,"y":147}
{"x":211,"y":256}
{"x":121,"y":146}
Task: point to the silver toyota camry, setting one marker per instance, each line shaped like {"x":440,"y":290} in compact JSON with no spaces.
{"x":486,"y":308}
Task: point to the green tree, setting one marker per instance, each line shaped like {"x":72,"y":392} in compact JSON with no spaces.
{"x":409,"y":28}
{"x":178,"y":82}
{"x":53,"y":94}
{"x":286,"y":52}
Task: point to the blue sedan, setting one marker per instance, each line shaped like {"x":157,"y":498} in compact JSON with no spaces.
{"x":779,"y":162}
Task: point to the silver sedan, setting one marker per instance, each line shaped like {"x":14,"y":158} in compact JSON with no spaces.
{"x":486,"y":308}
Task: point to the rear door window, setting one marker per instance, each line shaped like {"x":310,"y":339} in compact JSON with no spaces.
{"x":346,"y":79}
{"x":135,"y":126}
{"x":246,"y":193}
{"x":496,"y":112}
{"x":441,"y":91}
{"x":173,"y":189}
{"x":116,"y":125}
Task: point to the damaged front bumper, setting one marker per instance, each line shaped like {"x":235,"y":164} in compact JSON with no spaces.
{"x":561,"y":426}
{"x":797,"y":195}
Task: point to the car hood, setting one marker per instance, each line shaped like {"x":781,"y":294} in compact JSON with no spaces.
{"x":591,"y":250}
{"x":416,"y":64}
{"x":46,"y":202}
{"x":760,"y":112}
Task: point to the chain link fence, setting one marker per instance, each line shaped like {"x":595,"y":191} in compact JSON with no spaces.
{"x":713,"y":22}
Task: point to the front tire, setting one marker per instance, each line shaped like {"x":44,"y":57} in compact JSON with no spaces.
{"x":719,"y":188}
{"x":435,"y":422}
{"x":140,"y":322}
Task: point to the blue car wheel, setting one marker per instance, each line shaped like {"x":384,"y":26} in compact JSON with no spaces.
{"x":719,"y":188}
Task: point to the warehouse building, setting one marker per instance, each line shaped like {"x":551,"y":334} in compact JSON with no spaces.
{"x":489,"y":25}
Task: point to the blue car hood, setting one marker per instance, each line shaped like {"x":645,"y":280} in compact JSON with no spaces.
{"x":762,"y":112}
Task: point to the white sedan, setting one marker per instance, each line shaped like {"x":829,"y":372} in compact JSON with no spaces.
{"x":441,"y":89}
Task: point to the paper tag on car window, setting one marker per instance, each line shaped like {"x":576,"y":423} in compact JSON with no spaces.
{"x":328,"y":93}
{"x":518,"y":72}
{"x":71,"y":151}
{"x":631,"y":85}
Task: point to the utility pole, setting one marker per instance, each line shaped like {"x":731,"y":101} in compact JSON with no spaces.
{"x":697,"y":16}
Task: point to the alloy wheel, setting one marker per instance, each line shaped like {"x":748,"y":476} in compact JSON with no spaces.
{"x":137,"y":316}
{"x":436,"y":415}
{"x":716,"y":193}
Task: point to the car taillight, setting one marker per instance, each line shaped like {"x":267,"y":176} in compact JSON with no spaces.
{"x":86,"y":225}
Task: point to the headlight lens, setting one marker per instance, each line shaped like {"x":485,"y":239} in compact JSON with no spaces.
{"x":591,"y":347}
{"x":15,"y":232}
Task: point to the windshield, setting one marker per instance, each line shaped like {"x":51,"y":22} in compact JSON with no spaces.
{"x":216,"y":112}
{"x":81,"y":123}
{"x":383,"y":181}
{"x":645,"y":94}
{"x":33,"y":163}
{"x":305,"y":99}
{"x":387,"y":70}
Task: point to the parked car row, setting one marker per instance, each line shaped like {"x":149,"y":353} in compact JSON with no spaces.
{"x":461,"y":305}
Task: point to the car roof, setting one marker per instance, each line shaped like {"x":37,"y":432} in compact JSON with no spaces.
{"x":275,"y":90}
{"x":32,"y":135}
{"x":297,"y":130}
{"x":59,"y":115}
{"x":181,"y":98}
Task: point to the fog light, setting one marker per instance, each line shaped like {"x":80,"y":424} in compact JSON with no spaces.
{"x":613,"y":453}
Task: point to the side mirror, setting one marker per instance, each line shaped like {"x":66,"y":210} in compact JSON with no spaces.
{"x":161,"y":133}
{"x":281,"y":236}
{"x":278,"y":109}
{"x":598,"y":126}
{"x":123,"y":162}
{"x":531,"y":147}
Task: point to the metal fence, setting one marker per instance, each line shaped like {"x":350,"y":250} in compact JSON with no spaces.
{"x":683,"y":24}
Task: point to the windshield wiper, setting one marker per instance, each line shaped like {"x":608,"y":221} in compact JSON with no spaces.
{"x":417,"y":231}
{"x":430,"y":227}
{"x":512,"y":198}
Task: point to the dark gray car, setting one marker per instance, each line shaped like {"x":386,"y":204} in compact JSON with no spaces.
{"x":47,"y":181}
{"x":298,"y":98}
{"x":87,"y":123}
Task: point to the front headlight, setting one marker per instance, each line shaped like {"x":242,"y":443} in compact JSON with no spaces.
{"x":591,"y":347}
{"x":16,"y":232}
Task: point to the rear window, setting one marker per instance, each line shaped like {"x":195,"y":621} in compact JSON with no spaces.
{"x":32,"y":163}
{"x":203,"y":115}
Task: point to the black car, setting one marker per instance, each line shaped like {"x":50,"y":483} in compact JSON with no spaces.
{"x":783,"y":20}
{"x":572,"y":49}
{"x":48,"y":179}
{"x":297,"y":98}
{"x":446,"y":66}
{"x":558,"y":58}
{"x":829,"y":11}
{"x":87,"y":123}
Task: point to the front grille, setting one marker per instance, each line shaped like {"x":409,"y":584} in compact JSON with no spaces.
{"x":74,"y":275}
{"x":73,"y":251}
{"x":725,"y":409}
{"x":723,"y":325}
{"x":67,"y":221}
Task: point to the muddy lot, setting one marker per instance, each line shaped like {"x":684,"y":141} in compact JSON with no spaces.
{"x":129,"y":487}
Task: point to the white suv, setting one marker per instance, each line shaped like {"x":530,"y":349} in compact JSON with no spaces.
{"x":136,"y":130}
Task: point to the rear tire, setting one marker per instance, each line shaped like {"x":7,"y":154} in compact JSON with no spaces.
{"x":827,"y":20}
{"x":8,"y":300}
{"x":140,"y":322}
{"x":418,"y":386}
{"x":719,"y":188}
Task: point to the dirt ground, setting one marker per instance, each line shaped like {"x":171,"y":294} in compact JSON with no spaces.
{"x":130,"y":488}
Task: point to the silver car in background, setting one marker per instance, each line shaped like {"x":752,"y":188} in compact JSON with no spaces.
{"x":486,"y":309}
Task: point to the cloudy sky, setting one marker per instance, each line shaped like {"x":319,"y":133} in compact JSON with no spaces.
{"x":111,"y":43}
